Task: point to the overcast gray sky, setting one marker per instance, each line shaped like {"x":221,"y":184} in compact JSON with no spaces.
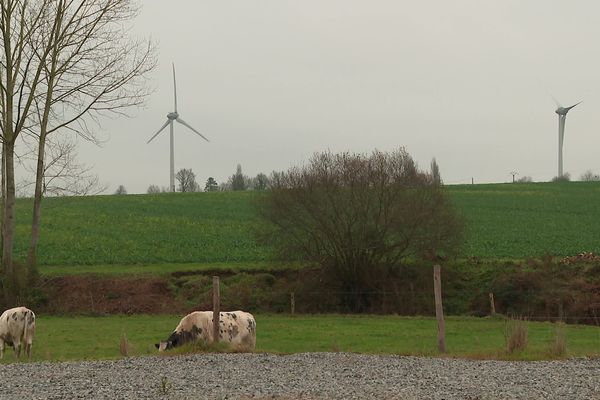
{"x":270,"y":82}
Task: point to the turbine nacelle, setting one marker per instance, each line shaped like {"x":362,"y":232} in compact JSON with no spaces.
{"x":173,"y":115}
{"x":564,"y":110}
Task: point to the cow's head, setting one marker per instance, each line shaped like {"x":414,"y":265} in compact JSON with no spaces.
{"x":174,"y":340}
{"x":164,"y":345}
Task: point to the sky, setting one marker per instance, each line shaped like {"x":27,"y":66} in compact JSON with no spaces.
{"x":271,"y":82}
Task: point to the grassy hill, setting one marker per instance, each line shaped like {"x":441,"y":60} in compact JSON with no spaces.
{"x":504,"y":221}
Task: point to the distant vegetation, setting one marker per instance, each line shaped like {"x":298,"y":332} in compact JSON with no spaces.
{"x":503,"y":221}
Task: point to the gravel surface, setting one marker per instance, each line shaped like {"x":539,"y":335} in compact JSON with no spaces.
{"x":301,"y":376}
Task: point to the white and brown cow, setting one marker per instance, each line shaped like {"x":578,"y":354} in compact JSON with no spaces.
{"x":17,"y":327}
{"x":237,"y":328}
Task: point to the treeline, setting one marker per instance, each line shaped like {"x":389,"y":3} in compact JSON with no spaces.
{"x":186,"y":182}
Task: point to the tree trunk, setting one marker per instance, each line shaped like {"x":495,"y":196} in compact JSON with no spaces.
{"x":32,"y":271}
{"x":8,"y":228}
{"x":2,"y":196}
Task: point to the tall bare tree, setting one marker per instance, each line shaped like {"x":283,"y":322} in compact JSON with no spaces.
{"x":187,"y":180}
{"x":20,"y":75}
{"x":67,"y":63}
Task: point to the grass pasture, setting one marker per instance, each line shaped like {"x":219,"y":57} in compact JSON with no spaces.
{"x":60,"y":338}
{"x":504,"y":221}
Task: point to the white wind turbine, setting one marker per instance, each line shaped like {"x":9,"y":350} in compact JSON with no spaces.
{"x":171,"y":118}
{"x":562,"y":117}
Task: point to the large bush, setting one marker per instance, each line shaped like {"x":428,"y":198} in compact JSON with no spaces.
{"x":359,"y":216}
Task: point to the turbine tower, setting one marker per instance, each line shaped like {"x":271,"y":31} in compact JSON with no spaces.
{"x":171,"y":118}
{"x":562,"y":117}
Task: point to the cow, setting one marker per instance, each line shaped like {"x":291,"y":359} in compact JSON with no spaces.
{"x":17,"y":327}
{"x":236,"y":328}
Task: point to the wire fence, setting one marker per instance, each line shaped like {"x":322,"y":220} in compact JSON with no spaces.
{"x":590,"y":317}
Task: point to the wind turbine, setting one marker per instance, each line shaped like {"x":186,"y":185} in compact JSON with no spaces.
{"x":562,"y":117}
{"x":171,"y":118}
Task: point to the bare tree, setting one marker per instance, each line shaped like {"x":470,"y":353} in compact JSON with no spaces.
{"x":359,"y":217}
{"x":153,"y":189}
{"x":121,"y":190}
{"x":63,"y":174}
{"x":525,"y":179}
{"x":589,"y":176}
{"x":260,"y":182}
{"x":66,"y":63}
{"x":187,"y":180}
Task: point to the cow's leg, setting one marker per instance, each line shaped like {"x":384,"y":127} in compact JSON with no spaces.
{"x":1,"y":349}
{"x":28,"y":350}
{"x":17,"y":347}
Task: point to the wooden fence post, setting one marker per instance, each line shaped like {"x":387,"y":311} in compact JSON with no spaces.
{"x":292,"y":303}
{"x":216,"y":309}
{"x":492,"y":305}
{"x":439,"y":309}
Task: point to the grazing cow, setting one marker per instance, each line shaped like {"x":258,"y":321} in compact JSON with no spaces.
{"x":17,"y":327}
{"x":237,"y":328}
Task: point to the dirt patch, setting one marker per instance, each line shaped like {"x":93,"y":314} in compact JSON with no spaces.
{"x":99,"y":295}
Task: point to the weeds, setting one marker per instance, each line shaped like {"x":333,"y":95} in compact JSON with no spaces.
{"x":558,"y":345}
{"x":165,"y":385}
{"x":335,"y":346}
{"x":515,"y":334}
{"x":124,"y":345}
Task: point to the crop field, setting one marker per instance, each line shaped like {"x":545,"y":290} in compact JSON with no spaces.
{"x":529,"y":220}
{"x":60,"y":338}
{"x":145,"y":229}
{"x":503,"y":221}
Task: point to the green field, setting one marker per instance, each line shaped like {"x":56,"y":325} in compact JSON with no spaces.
{"x":145,"y":229}
{"x":530,"y":220}
{"x":67,"y":338}
{"x":503,"y":221}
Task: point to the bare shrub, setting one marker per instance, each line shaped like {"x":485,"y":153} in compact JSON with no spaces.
{"x":515,"y":334}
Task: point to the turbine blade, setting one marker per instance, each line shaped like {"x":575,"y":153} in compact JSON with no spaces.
{"x":558,"y":105}
{"x":568,"y":108}
{"x":174,"y":87}
{"x":159,"y":131}
{"x":188,"y":125}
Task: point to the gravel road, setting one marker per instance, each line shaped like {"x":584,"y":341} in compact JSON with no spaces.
{"x":301,"y":376}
